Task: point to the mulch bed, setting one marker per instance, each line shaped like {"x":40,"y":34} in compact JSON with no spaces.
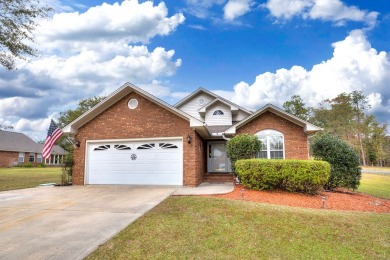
{"x":335,"y":200}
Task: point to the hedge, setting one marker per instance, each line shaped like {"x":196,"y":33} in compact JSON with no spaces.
{"x":291,"y":175}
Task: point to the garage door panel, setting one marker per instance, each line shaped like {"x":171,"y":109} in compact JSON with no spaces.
{"x":175,"y":167}
{"x":146,"y":167}
{"x":157,"y":163}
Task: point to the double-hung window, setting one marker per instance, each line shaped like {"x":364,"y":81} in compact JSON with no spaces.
{"x":21,"y":157}
{"x":31,"y":157}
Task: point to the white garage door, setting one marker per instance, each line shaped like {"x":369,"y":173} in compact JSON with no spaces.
{"x":148,"y":162}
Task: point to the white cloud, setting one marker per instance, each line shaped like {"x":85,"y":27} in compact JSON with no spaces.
{"x":232,"y":9}
{"x":129,"y":22}
{"x":327,"y":10}
{"x":200,"y":8}
{"x":88,"y":54}
{"x":354,"y":66}
{"x":119,"y":62}
{"x":236,"y":8}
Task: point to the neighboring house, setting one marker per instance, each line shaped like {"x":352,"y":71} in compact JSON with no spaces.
{"x":132,"y":137}
{"x":17,"y":148}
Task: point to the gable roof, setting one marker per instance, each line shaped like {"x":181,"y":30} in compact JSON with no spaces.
{"x":233,"y":108}
{"x":18,"y":142}
{"x":199,"y":90}
{"x":308,"y":127}
{"x":115,"y":96}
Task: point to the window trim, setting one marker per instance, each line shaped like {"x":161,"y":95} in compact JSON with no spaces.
{"x":21,"y":157}
{"x":39,"y":158}
{"x":270,"y":133}
{"x":218,"y":112}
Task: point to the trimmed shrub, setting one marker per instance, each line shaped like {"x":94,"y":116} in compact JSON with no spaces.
{"x":290,"y":175}
{"x":41,"y":165}
{"x":346,"y":171}
{"x":242,"y":147}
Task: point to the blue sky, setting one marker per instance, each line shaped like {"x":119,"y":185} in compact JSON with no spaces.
{"x":252,"y":52}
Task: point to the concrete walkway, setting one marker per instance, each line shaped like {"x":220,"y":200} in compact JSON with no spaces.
{"x":69,"y":222}
{"x":206,"y":188}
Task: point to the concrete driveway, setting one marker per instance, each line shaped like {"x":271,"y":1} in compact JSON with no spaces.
{"x":69,"y":222}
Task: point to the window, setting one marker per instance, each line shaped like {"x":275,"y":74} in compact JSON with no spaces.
{"x":218,"y":113}
{"x":102,"y":147}
{"x":39,"y":158}
{"x":133,"y":103}
{"x":201,"y":101}
{"x":122,"y":147}
{"x":145,"y":146}
{"x":31,"y":157}
{"x":272,"y":144}
{"x":21,"y":157}
{"x":167,"y":146}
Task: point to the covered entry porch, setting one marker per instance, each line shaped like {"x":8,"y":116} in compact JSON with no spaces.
{"x":218,"y":163}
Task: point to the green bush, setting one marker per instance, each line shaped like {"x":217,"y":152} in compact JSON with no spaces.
{"x":67,"y":170}
{"x":346,"y":171}
{"x":290,"y":175}
{"x":242,"y":147}
{"x":27,"y":165}
{"x":41,"y":165}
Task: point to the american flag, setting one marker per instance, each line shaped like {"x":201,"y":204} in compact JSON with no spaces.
{"x":52,"y":136}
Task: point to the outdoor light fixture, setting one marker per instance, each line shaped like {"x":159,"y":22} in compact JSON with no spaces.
{"x":242,"y":193}
{"x":77,"y":144}
{"x":323,"y":199}
{"x":188,"y":138}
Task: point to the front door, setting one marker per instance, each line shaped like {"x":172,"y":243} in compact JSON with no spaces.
{"x":217,"y":160}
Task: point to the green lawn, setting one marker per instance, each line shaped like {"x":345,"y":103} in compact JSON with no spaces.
{"x":375,"y":168}
{"x":212,"y":228}
{"x":375,"y":184}
{"x":20,"y":178}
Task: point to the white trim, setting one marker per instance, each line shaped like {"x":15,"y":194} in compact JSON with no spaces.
{"x":23,"y":154}
{"x":135,"y":139}
{"x":232,"y":107}
{"x":181,"y":102}
{"x":307,"y":127}
{"x":86,"y":154}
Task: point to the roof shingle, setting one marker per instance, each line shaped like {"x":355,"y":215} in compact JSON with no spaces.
{"x":18,"y":142}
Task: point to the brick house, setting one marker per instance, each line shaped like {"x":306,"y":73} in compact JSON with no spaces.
{"x":132,"y":137}
{"x":17,"y":148}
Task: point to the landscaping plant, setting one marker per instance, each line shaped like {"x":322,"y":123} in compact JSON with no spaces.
{"x":344,"y":161}
{"x":242,"y":147}
{"x":291,"y":175}
{"x":67,"y":169}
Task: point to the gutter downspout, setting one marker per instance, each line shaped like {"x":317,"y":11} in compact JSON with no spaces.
{"x":222,"y":135}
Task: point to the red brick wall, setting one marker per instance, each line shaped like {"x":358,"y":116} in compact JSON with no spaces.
{"x":295,"y":139}
{"x":8,"y":159}
{"x":148,"y":120}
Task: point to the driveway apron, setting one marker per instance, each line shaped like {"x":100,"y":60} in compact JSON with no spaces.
{"x":70,"y":222}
